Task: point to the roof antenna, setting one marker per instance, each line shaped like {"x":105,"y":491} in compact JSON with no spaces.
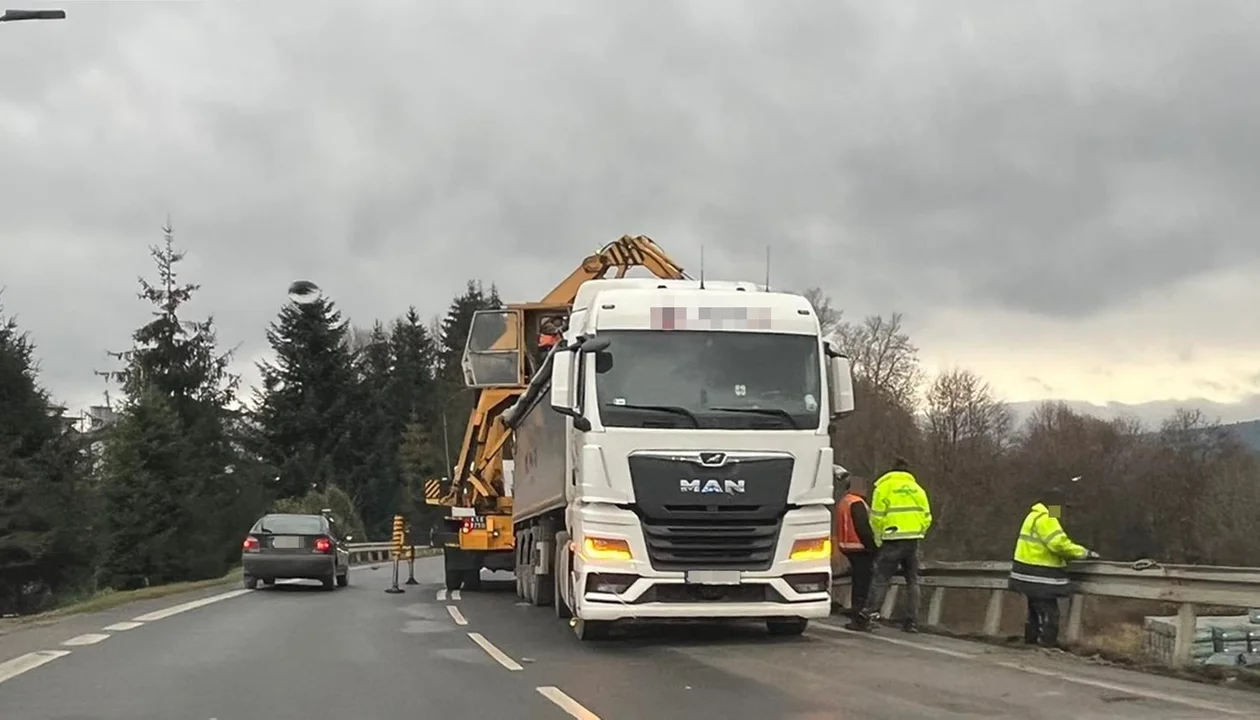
{"x":701,"y":267}
{"x":767,"y":268}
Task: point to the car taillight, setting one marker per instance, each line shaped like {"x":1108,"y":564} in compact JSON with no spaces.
{"x":323,"y":545}
{"x":468,"y":526}
{"x":250,"y":544}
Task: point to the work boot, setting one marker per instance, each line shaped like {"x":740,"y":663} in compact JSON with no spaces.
{"x":861,"y":622}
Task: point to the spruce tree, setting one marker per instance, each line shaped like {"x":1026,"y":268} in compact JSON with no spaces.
{"x":46,"y":544}
{"x":170,"y":490}
{"x":309,"y":404}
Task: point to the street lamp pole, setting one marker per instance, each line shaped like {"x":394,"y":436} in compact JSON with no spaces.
{"x":19,"y":15}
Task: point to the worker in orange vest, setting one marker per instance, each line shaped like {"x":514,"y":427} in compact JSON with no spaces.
{"x":854,"y":536}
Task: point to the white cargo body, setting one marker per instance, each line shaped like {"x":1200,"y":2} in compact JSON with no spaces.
{"x":682,"y":467}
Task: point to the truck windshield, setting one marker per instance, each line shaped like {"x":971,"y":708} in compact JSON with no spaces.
{"x":709,"y":379}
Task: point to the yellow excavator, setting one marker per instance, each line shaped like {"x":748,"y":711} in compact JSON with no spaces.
{"x":504,"y":349}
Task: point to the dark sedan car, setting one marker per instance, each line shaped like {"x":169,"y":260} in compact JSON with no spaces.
{"x":307,"y":547}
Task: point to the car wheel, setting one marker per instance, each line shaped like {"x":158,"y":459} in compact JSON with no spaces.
{"x":268,"y":581}
{"x":251,"y":583}
{"x":343,"y":579}
{"x":329,"y":582}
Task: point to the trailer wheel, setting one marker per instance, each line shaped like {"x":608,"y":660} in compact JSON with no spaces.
{"x":560,"y":574}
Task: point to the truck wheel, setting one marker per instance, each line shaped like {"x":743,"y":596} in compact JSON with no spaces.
{"x":454,"y":578}
{"x":560,"y":575}
{"x":787,"y":626}
{"x":588,"y":630}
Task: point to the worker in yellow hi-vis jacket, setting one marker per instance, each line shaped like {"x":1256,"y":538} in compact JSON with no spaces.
{"x":901,"y":515}
{"x":1039,"y":571}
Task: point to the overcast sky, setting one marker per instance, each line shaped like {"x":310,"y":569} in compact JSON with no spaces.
{"x":1060,"y":195}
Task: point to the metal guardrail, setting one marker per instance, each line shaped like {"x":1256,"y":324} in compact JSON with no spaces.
{"x":364,"y":553}
{"x":1186,"y":585}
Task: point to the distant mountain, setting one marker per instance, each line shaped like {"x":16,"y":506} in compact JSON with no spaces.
{"x":1239,"y":417}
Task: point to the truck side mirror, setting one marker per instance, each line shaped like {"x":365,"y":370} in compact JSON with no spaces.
{"x":840,"y":385}
{"x":561,"y":376}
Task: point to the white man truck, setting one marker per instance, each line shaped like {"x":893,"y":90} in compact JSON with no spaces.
{"x":672,"y":458}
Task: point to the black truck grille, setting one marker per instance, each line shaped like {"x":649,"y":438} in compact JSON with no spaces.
{"x":711,"y":544}
{"x":689,"y":530}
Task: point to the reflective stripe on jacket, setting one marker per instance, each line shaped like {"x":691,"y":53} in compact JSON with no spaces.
{"x":1042,"y":554}
{"x":899,"y":508}
{"x":847,"y":537}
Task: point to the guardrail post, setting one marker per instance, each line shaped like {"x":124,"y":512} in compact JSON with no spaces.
{"x":1183,"y":643}
{"x":890,"y":602}
{"x":993,"y":613}
{"x":936,"y":605}
{"x":1075,"y":619}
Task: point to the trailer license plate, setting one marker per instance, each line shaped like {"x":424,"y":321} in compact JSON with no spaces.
{"x":713,"y":577}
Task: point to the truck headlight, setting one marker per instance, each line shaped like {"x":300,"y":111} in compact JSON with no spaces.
{"x":597,"y":548}
{"x":811,"y":549}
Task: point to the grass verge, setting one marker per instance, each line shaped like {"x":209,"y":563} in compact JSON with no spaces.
{"x":109,"y":599}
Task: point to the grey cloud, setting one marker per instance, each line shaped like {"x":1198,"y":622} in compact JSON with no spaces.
{"x":969,"y":153}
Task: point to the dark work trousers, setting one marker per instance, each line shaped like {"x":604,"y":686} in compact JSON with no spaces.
{"x":862,"y":565}
{"x":896,"y":556}
{"x":1042,"y":625}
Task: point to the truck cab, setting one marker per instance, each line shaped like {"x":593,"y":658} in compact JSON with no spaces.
{"x":697,"y":467}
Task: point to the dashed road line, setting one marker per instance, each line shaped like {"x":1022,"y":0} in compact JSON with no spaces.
{"x":122,"y":626}
{"x":566,"y":703}
{"x":86,"y":639}
{"x":185,"y":607}
{"x":494,"y":652}
{"x":10,"y":669}
{"x":456,"y":615}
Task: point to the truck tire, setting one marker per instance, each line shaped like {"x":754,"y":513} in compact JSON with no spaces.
{"x":529,"y":580}
{"x":590,"y":630}
{"x":785,"y":627}
{"x":560,"y":575}
{"x":454,"y":578}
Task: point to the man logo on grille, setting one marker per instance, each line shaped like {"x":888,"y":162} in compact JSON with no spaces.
{"x":710,"y":486}
{"x":712,"y":459}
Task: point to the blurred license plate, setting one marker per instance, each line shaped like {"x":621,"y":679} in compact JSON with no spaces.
{"x":286,"y":542}
{"x":713,"y":577}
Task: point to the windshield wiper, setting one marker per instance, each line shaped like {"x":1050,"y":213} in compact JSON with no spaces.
{"x":662,"y":408}
{"x":776,"y":412}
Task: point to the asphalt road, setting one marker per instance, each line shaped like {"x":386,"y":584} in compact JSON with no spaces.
{"x":297,"y":651}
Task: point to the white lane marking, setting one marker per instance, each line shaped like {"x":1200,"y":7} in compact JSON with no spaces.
{"x":121,"y":626}
{"x":86,"y":639}
{"x":566,"y":703}
{"x":1127,"y":689}
{"x":1149,"y":694}
{"x":441,"y":596}
{"x":455,"y":594}
{"x":185,"y":607}
{"x":494,"y":652}
{"x":894,"y":641}
{"x":10,"y":669}
{"x":456,"y":615}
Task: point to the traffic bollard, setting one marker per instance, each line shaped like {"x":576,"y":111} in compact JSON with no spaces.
{"x":394,"y":589}
{"x":411,"y":567}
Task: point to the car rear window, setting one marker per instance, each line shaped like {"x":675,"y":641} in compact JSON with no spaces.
{"x":290,"y":525}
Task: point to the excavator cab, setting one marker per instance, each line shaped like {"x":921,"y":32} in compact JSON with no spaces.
{"x":506,"y":346}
